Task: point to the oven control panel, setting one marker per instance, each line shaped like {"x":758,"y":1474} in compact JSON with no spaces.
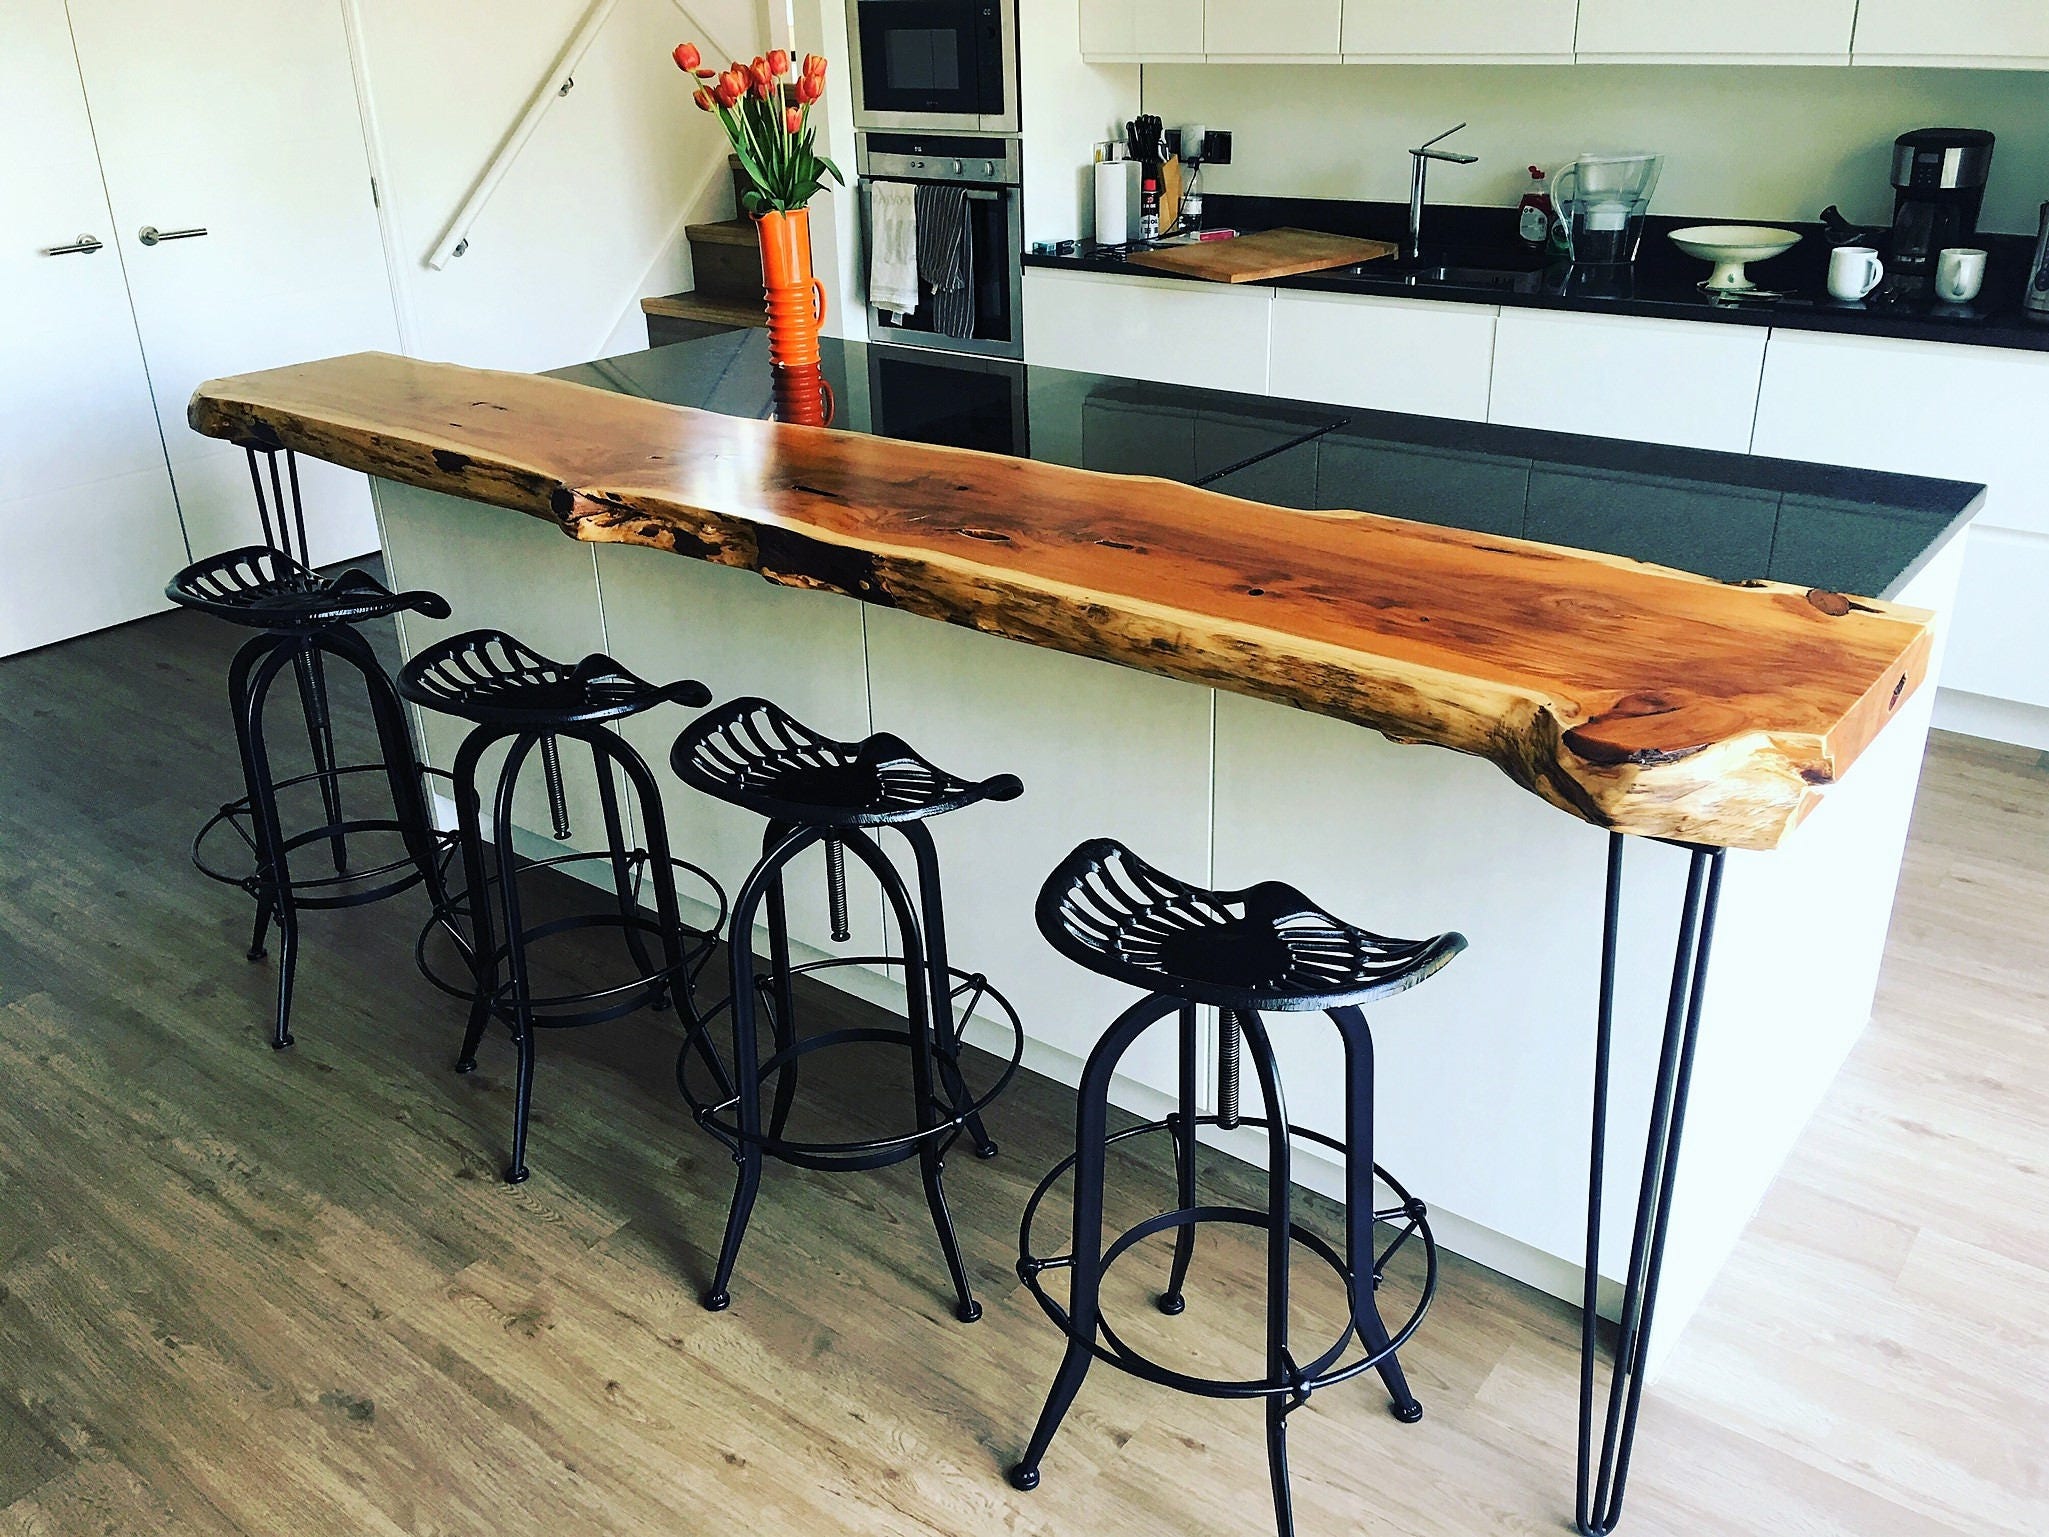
{"x":981,"y":158}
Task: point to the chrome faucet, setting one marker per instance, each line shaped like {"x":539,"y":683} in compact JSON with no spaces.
{"x":1420,"y":158}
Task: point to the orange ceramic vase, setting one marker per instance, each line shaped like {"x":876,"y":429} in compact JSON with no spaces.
{"x":796,"y":307}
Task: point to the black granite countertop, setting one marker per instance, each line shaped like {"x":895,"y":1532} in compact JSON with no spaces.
{"x":1664,"y":282}
{"x":1734,"y":517}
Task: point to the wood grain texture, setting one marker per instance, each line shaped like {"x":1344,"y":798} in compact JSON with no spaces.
{"x":1632,"y":696}
{"x":1274,"y":253}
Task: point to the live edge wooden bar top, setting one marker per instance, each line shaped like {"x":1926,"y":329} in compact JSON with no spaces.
{"x":1636,"y":697}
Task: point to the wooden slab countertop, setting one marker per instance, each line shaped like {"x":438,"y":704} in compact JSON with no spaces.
{"x":1633,"y":696}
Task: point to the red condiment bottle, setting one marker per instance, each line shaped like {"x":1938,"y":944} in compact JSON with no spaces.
{"x":1534,"y":214}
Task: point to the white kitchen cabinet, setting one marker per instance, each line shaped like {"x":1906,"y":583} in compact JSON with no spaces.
{"x":1999,"y":643}
{"x":739,"y":635}
{"x":1978,"y":33}
{"x":1459,"y":31}
{"x":237,"y":119}
{"x":1738,"y":31}
{"x":89,"y":529}
{"x":1934,"y":408}
{"x":1212,"y":335}
{"x":1281,"y":31}
{"x":1385,"y":354}
{"x":1613,"y":376}
{"x":1102,"y":750}
{"x":1920,"y":408}
{"x":1141,"y":29}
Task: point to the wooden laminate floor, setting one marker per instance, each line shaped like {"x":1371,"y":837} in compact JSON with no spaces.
{"x":253,"y":1293}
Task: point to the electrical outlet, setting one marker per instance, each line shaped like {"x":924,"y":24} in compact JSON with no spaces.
{"x":1216,"y":147}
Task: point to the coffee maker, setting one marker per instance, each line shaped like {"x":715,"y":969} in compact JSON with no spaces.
{"x":1938,"y":177}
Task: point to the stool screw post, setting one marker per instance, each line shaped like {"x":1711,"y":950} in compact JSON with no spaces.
{"x":1228,"y":1041}
{"x":558,"y":798}
{"x":836,"y":889}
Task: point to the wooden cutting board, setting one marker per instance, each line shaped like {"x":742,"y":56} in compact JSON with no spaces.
{"x":1277,"y":253}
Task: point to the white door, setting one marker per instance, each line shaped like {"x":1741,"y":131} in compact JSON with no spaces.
{"x":88,"y":526}
{"x":238,"y":118}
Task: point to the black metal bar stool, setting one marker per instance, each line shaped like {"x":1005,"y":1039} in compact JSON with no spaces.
{"x":304,"y":619}
{"x":814,"y":790}
{"x":515,"y":695}
{"x":1242,"y":952}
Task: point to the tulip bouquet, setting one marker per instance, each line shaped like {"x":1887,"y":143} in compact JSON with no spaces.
{"x":765,"y":108}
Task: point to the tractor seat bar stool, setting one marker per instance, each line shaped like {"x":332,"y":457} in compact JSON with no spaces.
{"x":813,"y":790}
{"x":512,"y":694}
{"x":1264,"y":949}
{"x":304,"y":619}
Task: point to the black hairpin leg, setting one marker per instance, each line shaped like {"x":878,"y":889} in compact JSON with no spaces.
{"x":1602,"y":1478}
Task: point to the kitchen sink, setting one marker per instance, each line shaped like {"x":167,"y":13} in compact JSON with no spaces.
{"x":1501,"y":278}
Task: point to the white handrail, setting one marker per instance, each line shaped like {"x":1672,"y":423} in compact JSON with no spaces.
{"x":455,"y":238}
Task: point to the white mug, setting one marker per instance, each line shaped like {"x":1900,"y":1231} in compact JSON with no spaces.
{"x":1853,"y":271}
{"x":1959,"y":274}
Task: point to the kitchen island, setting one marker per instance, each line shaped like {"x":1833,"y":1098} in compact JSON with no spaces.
{"x":1195,"y":679}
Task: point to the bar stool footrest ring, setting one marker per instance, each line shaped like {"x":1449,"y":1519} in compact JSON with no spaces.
{"x":870,"y":1153}
{"x":1409,"y":1215}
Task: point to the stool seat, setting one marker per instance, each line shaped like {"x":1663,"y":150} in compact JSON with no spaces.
{"x":1266,"y":947}
{"x":266,"y":589}
{"x":488,"y":677}
{"x":755,"y":754}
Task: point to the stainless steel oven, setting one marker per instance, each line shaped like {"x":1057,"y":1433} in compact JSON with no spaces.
{"x":991,"y":172}
{"x":934,"y":64}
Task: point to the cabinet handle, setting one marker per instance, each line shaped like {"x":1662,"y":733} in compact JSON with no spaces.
{"x":150,"y":234}
{"x":84,"y":245}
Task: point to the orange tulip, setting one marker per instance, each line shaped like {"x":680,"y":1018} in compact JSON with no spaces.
{"x":809,"y":89}
{"x":814,"y":66}
{"x":706,"y":74}
{"x":687,"y":57}
{"x":779,"y":62}
{"x":727,"y":92}
{"x":734,"y":82}
{"x":792,"y":119}
{"x":703,"y":99}
{"x":760,"y":71}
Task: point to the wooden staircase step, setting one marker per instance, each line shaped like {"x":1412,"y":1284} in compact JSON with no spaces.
{"x":726,"y":232}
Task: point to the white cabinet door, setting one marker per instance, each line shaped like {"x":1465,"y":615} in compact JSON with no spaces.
{"x":1272,"y":29}
{"x":1749,"y":31}
{"x":1460,"y":31}
{"x":89,"y":528}
{"x":239,"y":117}
{"x":1658,"y":381}
{"x":1920,"y":408}
{"x":1386,"y":354}
{"x":2014,"y":33}
{"x":1932,"y":408}
{"x":1999,"y":638}
{"x":1102,"y":750}
{"x":1141,"y":29}
{"x":1207,"y":334}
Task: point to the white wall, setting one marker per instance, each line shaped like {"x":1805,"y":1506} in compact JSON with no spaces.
{"x":1758,"y":142}
{"x":591,"y":216}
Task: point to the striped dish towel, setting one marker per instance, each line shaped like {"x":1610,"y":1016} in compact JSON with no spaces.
{"x":893,"y":248}
{"x":945,"y":262}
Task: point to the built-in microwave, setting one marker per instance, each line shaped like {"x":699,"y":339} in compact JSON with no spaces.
{"x":934,"y":64}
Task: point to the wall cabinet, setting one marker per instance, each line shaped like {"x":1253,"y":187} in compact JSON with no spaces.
{"x":1275,"y":30}
{"x":1459,"y":31}
{"x":1657,"y":381}
{"x":1163,"y":30}
{"x":1980,"y":33}
{"x":1208,"y":334}
{"x":1384,"y":354}
{"x":1740,"y":31}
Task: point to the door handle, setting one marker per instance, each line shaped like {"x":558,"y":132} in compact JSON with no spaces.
{"x":151,"y":235}
{"x":84,"y":245}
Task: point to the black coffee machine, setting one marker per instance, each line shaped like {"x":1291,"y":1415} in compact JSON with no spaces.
{"x":1938,"y":177}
